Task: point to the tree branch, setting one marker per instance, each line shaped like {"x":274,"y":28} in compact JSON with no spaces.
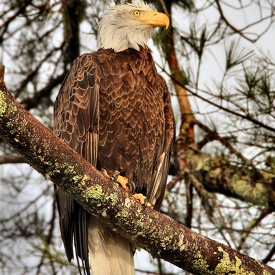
{"x":104,"y":199}
{"x":220,"y":176}
{"x":12,"y":159}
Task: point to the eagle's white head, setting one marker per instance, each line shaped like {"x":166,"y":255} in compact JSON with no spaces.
{"x":129,"y":26}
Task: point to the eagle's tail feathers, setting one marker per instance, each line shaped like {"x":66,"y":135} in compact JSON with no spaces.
{"x":110,"y":254}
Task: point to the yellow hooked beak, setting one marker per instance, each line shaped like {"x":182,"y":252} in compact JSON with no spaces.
{"x":156,"y":19}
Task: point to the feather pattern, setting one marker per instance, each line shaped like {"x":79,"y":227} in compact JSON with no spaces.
{"x":123,"y":122}
{"x":114,"y":109}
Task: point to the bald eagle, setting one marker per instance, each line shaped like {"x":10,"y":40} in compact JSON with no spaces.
{"x":114,"y":109}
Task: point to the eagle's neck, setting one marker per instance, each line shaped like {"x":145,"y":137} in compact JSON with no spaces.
{"x":121,"y":37}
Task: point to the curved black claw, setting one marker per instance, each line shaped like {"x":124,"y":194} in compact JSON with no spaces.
{"x":115,"y":176}
{"x":147,"y":203}
{"x":132,"y":186}
{"x":104,"y":172}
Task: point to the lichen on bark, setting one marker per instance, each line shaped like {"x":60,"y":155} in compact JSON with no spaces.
{"x":3,"y":104}
{"x":227,"y":266}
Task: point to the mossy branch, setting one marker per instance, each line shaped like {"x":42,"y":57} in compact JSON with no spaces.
{"x":146,"y":228}
{"x":218,"y":175}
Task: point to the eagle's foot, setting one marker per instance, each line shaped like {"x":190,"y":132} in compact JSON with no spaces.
{"x":123,"y":181}
{"x":142,"y":199}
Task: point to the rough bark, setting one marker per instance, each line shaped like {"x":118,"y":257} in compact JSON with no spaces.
{"x":143,"y":226}
{"x":218,"y":175}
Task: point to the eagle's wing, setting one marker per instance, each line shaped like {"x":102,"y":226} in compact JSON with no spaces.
{"x":76,"y":122}
{"x":156,"y":188}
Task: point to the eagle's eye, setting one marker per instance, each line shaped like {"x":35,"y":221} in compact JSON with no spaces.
{"x":136,"y":13}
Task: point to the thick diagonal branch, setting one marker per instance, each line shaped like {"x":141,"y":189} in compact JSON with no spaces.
{"x":143,"y":226}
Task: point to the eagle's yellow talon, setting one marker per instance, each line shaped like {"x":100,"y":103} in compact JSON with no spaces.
{"x":123,"y":181}
{"x":142,"y":199}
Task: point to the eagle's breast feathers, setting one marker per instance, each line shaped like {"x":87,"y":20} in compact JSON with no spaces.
{"x":116,"y":113}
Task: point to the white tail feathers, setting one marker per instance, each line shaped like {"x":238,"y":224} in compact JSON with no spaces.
{"x":110,"y":254}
